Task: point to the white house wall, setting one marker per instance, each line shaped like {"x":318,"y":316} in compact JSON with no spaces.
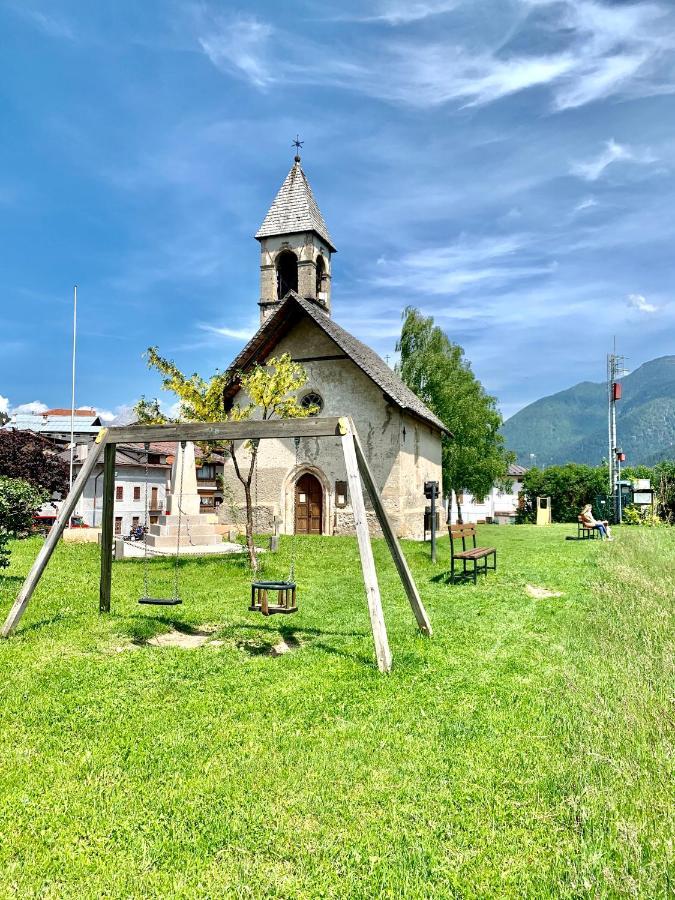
{"x":90,"y":504}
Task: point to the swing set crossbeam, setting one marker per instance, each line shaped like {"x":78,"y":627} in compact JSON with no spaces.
{"x":358,"y":474}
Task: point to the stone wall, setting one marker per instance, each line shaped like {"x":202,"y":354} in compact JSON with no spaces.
{"x":307,"y":247}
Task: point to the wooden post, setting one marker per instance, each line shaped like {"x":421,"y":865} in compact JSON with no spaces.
{"x":55,"y":533}
{"x":391,"y":539}
{"x":107,"y":527}
{"x":382,"y":651}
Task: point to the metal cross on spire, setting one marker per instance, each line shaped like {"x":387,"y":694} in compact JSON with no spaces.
{"x":297,"y":143}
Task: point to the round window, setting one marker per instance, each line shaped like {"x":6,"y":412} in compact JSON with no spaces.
{"x":313,"y":402}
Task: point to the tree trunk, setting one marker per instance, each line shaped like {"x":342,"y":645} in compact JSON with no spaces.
{"x":460,"y":521}
{"x":246,"y":483}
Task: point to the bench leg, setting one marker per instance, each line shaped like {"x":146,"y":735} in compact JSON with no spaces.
{"x":475,"y":570}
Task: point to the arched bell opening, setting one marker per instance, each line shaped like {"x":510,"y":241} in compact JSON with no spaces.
{"x":287,"y":273}
{"x":320,"y":278}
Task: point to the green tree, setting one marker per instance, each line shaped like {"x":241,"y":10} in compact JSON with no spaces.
{"x":270,"y":390}
{"x":474,"y":458}
{"x":570,"y":488}
{"x":19,"y":501}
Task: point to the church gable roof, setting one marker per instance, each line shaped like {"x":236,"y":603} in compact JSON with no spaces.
{"x":287,"y":315}
{"x":294,"y":209}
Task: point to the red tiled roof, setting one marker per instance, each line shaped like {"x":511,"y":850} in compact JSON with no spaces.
{"x":66,"y":412}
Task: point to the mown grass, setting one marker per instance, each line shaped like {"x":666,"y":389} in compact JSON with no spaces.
{"x":524,"y":751}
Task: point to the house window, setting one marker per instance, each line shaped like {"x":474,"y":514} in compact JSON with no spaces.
{"x":313,"y":402}
{"x":118,"y":524}
{"x":137,"y":493}
{"x":153,"y":520}
{"x":206,"y":472}
{"x":135,"y":521}
{"x":154,"y":501}
{"x":119,"y":492}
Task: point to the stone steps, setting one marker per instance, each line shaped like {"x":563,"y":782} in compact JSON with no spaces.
{"x":194,"y":530}
{"x":169,"y":540}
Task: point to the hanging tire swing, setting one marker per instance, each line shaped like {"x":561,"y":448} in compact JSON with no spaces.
{"x":286,"y":601}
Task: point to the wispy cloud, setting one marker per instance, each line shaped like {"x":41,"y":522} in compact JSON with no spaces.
{"x":639,"y":302}
{"x":605,"y":51}
{"x":400,"y":12}
{"x":241,"y":45}
{"x":586,"y":203}
{"x":48,"y":23}
{"x":462,"y":265}
{"x":613,"y":152}
{"x":236,"y":334}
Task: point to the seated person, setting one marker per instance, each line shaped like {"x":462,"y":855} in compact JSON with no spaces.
{"x":602,"y":527}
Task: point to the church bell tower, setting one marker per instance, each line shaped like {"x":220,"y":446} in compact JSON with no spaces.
{"x":295,"y":247}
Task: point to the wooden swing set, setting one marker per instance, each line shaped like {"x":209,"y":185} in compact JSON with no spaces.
{"x":357,"y":469}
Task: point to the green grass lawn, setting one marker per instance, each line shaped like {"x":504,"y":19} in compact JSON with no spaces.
{"x":523,"y":751}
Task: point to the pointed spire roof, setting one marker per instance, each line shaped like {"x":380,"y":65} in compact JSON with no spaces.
{"x":294,"y":209}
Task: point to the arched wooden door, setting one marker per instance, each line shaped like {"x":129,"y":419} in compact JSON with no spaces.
{"x":308,"y":505}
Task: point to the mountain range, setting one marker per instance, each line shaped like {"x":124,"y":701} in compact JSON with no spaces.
{"x":571,"y":426}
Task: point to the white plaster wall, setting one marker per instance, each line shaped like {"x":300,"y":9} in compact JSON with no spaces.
{"x":399,"y":467}
{"x":90,"y":504}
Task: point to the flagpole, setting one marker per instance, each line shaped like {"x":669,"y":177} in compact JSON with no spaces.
{"x":72,"y":403}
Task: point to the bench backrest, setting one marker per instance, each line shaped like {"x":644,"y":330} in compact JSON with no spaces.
{"x":461,"y":532}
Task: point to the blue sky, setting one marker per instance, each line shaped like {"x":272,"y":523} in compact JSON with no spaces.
{"x":508,"y":166}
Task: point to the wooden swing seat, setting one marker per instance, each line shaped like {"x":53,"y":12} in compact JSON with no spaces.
{"x":286,"y":602}
{"x":160,"y":601}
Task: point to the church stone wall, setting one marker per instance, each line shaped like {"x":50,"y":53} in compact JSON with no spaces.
{"x":400,"y":465}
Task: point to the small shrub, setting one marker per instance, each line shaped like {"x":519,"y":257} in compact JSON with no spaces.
{"x":634,"y":515}
{"x":19,"y":501}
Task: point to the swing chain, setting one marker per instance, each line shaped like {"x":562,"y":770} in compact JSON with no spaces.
{"x":180,"y":516}
{"x":291,"y":571}
{"x":146,"y":592}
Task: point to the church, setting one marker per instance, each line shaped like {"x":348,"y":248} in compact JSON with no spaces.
{"x":303,"y":488}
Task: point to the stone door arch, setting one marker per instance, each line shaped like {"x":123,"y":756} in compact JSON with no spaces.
{"x":308,"y":505}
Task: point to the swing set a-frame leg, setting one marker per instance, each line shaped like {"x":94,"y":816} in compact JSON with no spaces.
{"x":392,"y":541}
{"x":52,"y":539}
{"x":382,"y":651}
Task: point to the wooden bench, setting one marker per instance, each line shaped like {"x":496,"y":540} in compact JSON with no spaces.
{"x":585,"y":531}
{"x":467,"y":555}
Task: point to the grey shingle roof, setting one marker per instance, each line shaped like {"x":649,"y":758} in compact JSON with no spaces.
{"x":270,"y":332}
{"x":294,"y":209}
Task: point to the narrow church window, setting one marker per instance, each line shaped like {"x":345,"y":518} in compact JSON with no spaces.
{"x":320,"y":275}
{"x":313,"y":402}
{"x":287,"y":273}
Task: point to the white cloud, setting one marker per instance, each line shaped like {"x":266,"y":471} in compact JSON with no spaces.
{"x":592,"y":169}
{"x":639,"y":302}
{"x":35,"y":406}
